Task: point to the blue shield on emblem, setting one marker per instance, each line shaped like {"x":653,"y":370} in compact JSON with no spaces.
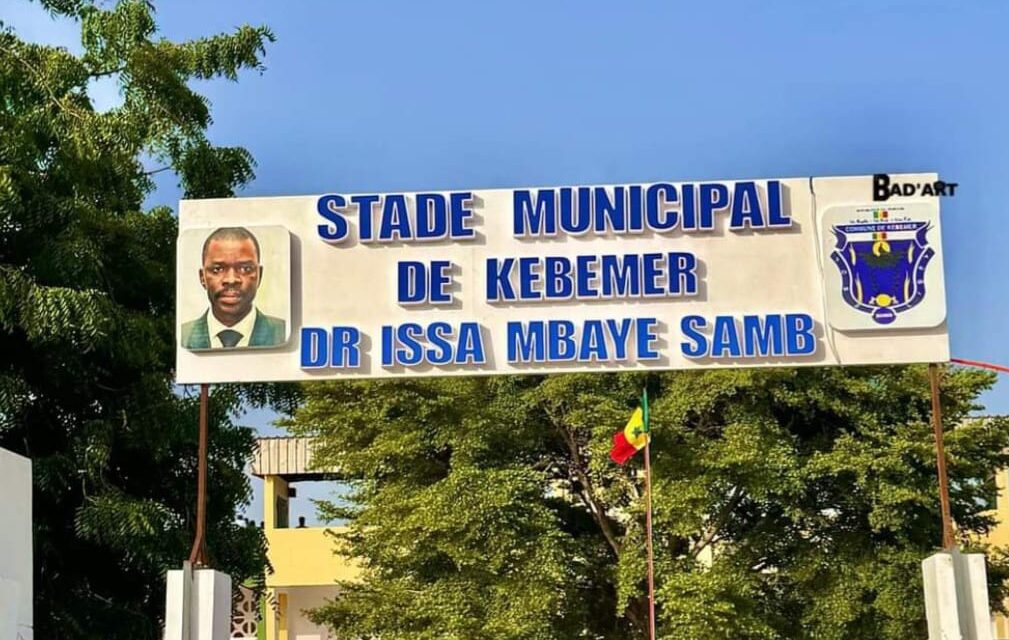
{"x":882,"y":266}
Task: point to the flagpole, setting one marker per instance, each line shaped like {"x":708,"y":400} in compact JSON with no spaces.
{"x":648,"y":529}
{"x":648,"y":515}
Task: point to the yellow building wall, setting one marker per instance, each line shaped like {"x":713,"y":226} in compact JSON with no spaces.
{"x":999,"y":537}
{"x":273,"y":487}
{"x":303,"y":560}
{"x":299,"y":557}
{"x":306,"y":558}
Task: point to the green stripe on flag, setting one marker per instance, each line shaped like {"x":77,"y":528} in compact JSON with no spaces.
{"x":644,"y":410}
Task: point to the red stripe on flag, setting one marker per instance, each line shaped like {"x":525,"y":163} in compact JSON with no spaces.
{"x":622,"y":450}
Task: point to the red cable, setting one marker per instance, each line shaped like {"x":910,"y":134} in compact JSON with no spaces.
{"x":981,"y":365}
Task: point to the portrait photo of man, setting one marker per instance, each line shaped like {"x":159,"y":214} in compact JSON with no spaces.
{"x":231,"y":273}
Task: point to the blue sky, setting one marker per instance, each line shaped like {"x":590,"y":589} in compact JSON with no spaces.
{"x":382,"y":96}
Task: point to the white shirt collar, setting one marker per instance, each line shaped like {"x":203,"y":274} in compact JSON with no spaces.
{"x":243,"y":326}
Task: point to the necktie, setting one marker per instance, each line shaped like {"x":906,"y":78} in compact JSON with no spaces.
{"x":229,"y":337}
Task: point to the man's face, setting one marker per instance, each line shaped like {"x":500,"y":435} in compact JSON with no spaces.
{"x":231,"y":275}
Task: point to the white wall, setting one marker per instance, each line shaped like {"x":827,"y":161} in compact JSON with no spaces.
{"x":298,"y":600}
{"x":16,"y":535}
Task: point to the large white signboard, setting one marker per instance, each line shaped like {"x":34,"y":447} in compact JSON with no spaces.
{"x":663,"y":275}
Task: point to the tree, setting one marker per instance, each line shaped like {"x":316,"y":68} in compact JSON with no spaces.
{"x":789,"y":503}
{"x":87,"y":314}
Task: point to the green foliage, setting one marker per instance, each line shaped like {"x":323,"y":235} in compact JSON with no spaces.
{"x":788,"y":503}
{"x":87,"y":315}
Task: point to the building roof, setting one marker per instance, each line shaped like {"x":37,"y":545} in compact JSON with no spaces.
{"x":290,"y":458}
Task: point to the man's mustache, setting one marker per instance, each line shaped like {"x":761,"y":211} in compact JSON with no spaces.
{"x":228,"y":290}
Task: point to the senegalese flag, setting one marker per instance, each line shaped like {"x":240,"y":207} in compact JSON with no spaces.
{"x":635,"y":435}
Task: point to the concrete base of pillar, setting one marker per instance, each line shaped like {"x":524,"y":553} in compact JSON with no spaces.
{"x":10,"y":597}
{"x":198,"y":605}
{"x":956,"y":596}
{"x":11,"y":627}
{"x":15,"y":547}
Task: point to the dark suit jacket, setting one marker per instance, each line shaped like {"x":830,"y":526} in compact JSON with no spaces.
{"x":267,"y":332}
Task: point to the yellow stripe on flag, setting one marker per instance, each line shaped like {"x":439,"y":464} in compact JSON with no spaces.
{"x":635,"y":432}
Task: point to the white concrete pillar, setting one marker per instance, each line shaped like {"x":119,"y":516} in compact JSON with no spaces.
{"x":10,"y":597}
{"x":956,"y":596}
{"x":15,"y":547}
{"x":198,"y":605}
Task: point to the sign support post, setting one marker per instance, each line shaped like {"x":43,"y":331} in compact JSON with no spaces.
{"x":948,"y":542}
{"x":955,"y":585}
{"x":198,"y":555}
{"x":198,"y":599}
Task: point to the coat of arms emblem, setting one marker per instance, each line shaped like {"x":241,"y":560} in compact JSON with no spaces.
{"x":882,"y":260}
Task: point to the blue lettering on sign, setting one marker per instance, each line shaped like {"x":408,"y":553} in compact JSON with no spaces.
{"x":426,"y":217}
{"x":751,"y":336}
{"x":557,"y":276}
{"x":432,"y":219}
{"x":499,"y":284}
{"x":420,"y":283}
{"x":471,"y":350}
{"x":387,"y":345}
{"x":441,"y":349}
{"x":395,"y":220}
{"x":336,"y":227}
{"x":652,"y":274}
{"x":725,"y":340}
{"x":750,"y":212}
{"x":364,"y":214}
{"x":561,"y":341}
{"x":612,"y":340}
{"x":620,"y":276}
{"x":746,"y":213}
{"x":575,"y":210}
{"x":645,"y":329}
{"x":799,"y":332}
{"x":591,"y":277}
{"x":314,"y":348}
{"x":776,"y":217}
{"x":412,"y":283}
{"x":586,"y":275}
{"x":697,"y":345}
{"x":688,"y":211}
{"x":607,"y":213}
{"x":620,"y":332}
{"x":408,"y":351}
{"x":660,"y":215}
{"x":528,"y":276}
{"x":526,"y":341}
{"x":441,"y":281}
{"x":635,"y":208}
{"x":593,"y":346}
{"x":714,"y":197}
{"x":439,"y":343}
{"x":460,"y":204}
{"x":534,"y":216}
{"x":660,"y":207}
{"x":339,"y":348}
{"x":762,"y":335}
